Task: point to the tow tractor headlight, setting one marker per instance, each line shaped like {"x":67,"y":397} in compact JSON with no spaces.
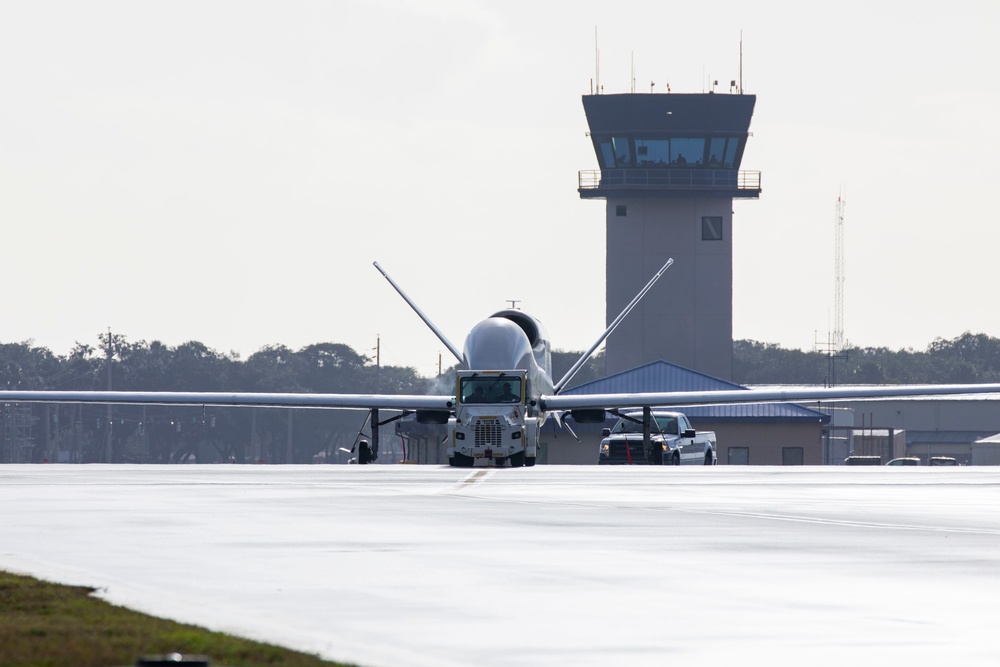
{"x":459,"y":435}
{"x":516,"y":435}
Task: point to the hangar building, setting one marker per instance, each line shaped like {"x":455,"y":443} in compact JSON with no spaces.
{"x":753,"y":434}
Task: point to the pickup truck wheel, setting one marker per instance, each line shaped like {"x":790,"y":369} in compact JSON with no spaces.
{"x":675,"y":460}
{"x":708,"y":458}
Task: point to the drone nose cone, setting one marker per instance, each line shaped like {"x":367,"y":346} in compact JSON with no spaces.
{"x":497,"y":344}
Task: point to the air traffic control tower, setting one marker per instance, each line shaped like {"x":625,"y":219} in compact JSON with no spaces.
{"x":669,"y":172}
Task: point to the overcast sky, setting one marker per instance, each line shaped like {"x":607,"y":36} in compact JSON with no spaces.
{"x":227,"y":171}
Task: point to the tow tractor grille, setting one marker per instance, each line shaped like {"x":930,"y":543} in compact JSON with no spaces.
{"x":488,"y":432}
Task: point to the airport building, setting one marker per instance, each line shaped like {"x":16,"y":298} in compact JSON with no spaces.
{"x":669,"y":172}
{"x":751,"y":434}
{"x":959,"y":427}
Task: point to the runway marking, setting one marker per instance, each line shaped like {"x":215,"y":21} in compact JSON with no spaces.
{"x":478,"y":476}
{"x":845,"y":522}
{"x":473,"y":478}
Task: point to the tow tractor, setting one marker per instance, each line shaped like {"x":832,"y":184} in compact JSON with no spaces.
{"x":492,"y":424}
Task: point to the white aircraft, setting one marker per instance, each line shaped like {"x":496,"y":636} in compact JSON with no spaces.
{"x":504,"y":393}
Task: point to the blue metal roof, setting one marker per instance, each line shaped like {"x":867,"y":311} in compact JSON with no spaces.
{"x":665,"y":376}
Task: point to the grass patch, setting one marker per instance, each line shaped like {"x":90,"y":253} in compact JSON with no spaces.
{"x":50,"y":625}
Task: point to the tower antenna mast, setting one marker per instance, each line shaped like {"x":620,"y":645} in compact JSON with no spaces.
{"x":838,"y":274}
{"x":597,"y":61}
{"x":741,"y":62}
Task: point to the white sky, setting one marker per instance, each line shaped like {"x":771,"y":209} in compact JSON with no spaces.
{"x":227,"y":171}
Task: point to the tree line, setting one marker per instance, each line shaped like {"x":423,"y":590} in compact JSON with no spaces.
{"x":968,"y":358}
{"x":171,"y":434}
{"x":176,"y":434}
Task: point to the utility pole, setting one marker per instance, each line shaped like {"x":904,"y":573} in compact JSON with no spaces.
{"x":378,"y":363}
{"x":108,"y":440}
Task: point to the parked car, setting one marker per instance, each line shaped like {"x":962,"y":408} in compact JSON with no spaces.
{"x":904,"y":461}
{"x":863,"y":461}
{"x":942,"y":461}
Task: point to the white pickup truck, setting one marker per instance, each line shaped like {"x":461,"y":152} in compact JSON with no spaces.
{"x":672,"y":441}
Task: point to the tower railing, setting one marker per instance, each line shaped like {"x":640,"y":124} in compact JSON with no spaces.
{"x":747,"y":182}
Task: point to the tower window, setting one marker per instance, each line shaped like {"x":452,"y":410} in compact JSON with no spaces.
{"x":711,"y":228}
{"x":621,"y":210}
{"x":623,"y":156}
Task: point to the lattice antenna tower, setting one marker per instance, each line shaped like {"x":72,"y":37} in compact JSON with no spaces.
{"x":838,"y":275}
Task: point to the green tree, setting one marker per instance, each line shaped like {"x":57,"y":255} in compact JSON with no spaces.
{"x":563,"y":360}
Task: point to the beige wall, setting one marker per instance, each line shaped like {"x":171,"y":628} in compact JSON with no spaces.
{"x":562,"y":449}
{"x":985,"y":454}
{"x":766,"y":441}
{"x":687,"y":319}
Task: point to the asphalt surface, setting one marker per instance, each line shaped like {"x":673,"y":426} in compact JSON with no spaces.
{"x":395,"y":565}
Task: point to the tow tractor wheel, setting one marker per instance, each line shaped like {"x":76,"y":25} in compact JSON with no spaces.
{"x":460,"y":461}
{"x":517,"y":460}
{"x":529,"y":461}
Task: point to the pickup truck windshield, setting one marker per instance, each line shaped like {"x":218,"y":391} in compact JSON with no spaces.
{"x":490,"y":389}
{"x":666,"y":425}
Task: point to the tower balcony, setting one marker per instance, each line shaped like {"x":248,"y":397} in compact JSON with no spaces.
{"x":671,"y":182}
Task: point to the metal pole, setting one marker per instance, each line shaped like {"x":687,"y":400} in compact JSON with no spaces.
{"x":48,"y":435}
{"x":288,"y":446}
{"x":108,"y":453}
{"x":255,"y":444}
{"x":647,"y":447}
{"x":375,"y":426}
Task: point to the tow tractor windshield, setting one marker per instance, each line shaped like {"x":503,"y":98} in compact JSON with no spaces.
{"x":666,"y":425}
{"x":491,"y":389}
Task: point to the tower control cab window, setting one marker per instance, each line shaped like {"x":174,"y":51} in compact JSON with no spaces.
{"x":623,"y":155}
{"x":646,"y":152}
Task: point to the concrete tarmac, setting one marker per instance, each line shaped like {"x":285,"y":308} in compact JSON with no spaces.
{"x":396,"y":565}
